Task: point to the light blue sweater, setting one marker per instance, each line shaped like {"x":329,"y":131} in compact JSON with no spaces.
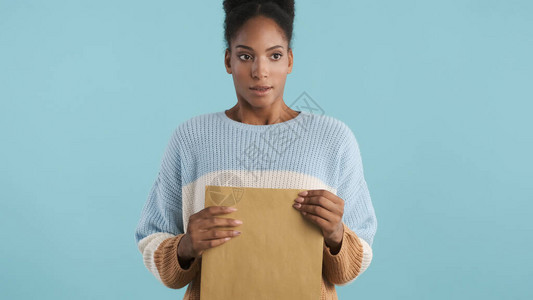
{"x":310,"y":151}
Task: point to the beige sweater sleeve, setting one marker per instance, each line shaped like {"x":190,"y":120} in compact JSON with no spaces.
{"x":171,"y":272}
{"x":344,"y":266}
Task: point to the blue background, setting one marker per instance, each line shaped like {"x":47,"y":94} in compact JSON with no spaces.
{"x":438,"y":94}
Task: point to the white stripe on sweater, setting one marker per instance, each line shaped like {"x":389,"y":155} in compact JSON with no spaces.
{"x":148,"y":246}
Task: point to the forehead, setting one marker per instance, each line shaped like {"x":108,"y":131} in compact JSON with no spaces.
{"x":260,"y":33}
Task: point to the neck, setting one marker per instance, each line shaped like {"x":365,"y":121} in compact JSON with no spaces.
{"x":261,"y":116}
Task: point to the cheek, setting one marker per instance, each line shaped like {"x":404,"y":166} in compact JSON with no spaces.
{"x":240,"y":72}
{"x":238,"y":78}
{"x":280,"y":74}
{"x":279,"y":69}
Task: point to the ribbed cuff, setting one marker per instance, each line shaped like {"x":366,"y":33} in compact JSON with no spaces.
{"x":344,"y":266}
{"x":170,"y":271}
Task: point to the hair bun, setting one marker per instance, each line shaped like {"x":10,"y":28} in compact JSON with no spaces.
{"x":230,"y":5}
{"x":286,"y":5}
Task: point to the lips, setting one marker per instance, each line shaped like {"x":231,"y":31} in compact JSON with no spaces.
{"x":260,"y":88}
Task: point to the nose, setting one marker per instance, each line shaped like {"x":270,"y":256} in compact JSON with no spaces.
{"x":260,"y":68}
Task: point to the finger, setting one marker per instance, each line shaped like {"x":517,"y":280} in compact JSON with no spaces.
{"x":219,"y":234}
{"x":203,"y":245}
{"x":322,"y":223}
{"x":321,"y":201}
{"x":334,"y":198}
{"x":208,"y":212}
{"x":213,"y":222}
{"x":218,"y":210}
{"x":318,"y":211}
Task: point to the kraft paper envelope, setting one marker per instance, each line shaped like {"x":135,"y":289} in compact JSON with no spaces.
{"x":277,"y":256}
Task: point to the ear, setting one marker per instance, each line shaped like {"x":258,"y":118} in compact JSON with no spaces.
{"x":291,"y":60}
{"x":227,"y":61}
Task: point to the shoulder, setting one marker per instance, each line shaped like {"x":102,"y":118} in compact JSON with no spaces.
{"x":195,"y":125}
{"x":334,"y":128}
{"x":197,"y":121}
{"x":333,"y":122}
{"x":188,"y":131}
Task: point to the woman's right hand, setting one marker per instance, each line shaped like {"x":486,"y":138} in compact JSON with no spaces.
{"x":202,"y":232}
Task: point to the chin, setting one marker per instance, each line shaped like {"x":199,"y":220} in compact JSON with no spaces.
{"x":257,"y":104}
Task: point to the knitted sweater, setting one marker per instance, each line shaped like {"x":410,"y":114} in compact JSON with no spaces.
{"x":310,"y":151}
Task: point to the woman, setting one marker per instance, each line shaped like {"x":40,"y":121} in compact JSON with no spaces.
{"x":260,"y":142}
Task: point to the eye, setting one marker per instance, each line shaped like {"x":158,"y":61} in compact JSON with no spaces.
{"x":245,"y":55}
{"x":279,"y":55}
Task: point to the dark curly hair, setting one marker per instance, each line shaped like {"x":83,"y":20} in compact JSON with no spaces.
{"x":240,"y":11}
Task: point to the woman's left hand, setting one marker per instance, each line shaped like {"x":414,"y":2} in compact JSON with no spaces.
{"x":324,"y":209}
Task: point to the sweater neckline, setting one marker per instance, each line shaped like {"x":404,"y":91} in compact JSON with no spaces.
{"x":253,"y":127}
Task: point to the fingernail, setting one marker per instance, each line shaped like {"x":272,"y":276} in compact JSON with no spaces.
{"x":238,"y":221}
{"x":302,"y":193}
{"x":299,"y":199}
{"x":232,"y":209}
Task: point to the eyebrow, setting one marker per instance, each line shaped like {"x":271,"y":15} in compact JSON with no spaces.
{"x":250,"y":48}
